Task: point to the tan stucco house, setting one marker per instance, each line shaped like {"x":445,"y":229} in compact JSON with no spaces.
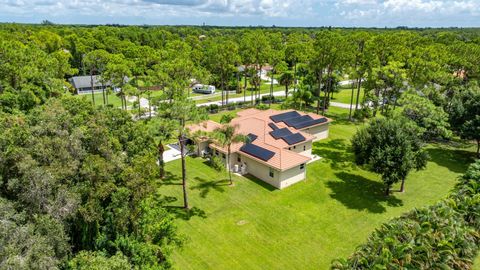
{"x":280,"y":144}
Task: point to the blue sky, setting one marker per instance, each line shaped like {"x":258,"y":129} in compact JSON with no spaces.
{"x":368,"y":13}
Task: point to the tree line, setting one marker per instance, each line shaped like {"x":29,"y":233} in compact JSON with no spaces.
{"x":78,"y":179}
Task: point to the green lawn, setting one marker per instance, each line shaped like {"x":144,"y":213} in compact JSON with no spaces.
{"x":345,"y":95}
{"x":112,"y":99}
{"x":252,"y":226}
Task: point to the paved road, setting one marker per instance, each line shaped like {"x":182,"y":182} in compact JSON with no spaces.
{"x":241,"y":99}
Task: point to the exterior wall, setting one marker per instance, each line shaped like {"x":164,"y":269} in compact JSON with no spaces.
{"x":201,"y":147}
{"x":292,"y":176}
{"x":300,"y":149}
{"x":320,"y":132}
{"x":88,"y":90}
{"x":279,"y":180}
{"x":261,"y":171}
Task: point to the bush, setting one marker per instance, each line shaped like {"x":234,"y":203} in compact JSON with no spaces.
{"x":213,"y":108}
{"x":216,"y":163}
{"x":262,"y":106}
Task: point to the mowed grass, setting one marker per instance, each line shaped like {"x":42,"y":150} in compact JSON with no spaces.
{"x":252,"y":226}
{"x":113,"y":99}
{"x":345,"y":95}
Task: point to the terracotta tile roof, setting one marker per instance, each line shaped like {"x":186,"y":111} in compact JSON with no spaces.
{"x":256,"y":122}
{"x":206,"y":126}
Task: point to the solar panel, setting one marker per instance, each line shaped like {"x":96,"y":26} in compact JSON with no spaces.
{"x":279,"y":133}
{"x":251,"y":137}
{"x":273,"y":126}
{"x":291,"y":122}
{"x":280,"y":117}
{"x":309,"y":123}
{"x":294,"y":138}
{"x":257,"y":151}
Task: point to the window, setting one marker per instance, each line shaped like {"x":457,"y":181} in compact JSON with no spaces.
{"x":295,"y":147}
{"x":223,"y":155}
{"x":239,"y":159}
{"x":271,"y":172}
{"x":289,"y":148}
{"x":304,"y":147}
{"x":302,"y":166}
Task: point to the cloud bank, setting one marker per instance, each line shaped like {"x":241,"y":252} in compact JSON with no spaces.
{"x":248,"y":12}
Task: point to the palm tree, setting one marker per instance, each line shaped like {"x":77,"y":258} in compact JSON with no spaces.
{"x":163,"y":130}
{"x":226,"y":136}
{"x":286,"y":79}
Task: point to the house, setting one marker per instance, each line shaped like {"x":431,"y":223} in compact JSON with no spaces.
{"x":279,"y":145}
{"x":83,"y":84}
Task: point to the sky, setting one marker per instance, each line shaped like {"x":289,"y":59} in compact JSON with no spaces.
{"x":341,"y":13}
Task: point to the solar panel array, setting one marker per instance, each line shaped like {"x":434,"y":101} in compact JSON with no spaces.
{"x":291,"y":122}
{"x":257,"y":151}
{"x":279,"y":133}
{"x":294,"y":138}
{"x":294,"y":119}
{"x":309,"y":123}
{"x":272,"y":126}
{"x":251,"y":137}
{"x":281,"y":117}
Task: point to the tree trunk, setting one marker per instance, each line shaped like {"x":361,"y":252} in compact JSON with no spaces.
{"x":295,"y":75}
{"x":402,"y":185}
{"x":161,"y":162}
{"x":184,"y":171}
{"x":103,"y":94}
{"x":387,"y":191}
{"x":351,"y":102}
{"x":91,"y":85}
{"x":286,"y":90}
{"x":228,"y":166}
{"x":271,"y":90}
{"x":227,"y":94}
{"x":359,"y":83}
{"x":319,"y":91}
{"x":139,"y":107}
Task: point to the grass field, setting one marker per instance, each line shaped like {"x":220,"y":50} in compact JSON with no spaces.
{"x":252,"y":226}
{"x":112,"y":99}
{"x":345,"y":95}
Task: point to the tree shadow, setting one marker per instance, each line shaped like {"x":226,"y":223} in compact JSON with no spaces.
{"x":359,"y":193}
{"x":185,"y":214}
{"x":206,"y":186}
{"x":337,"y":152}
{"x":259,"y":182}
{"x":170,"y":179}
{"x":455,"y":160}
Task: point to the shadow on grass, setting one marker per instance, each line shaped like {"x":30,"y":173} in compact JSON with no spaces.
{"x":336,"y":152}
{"x":359,"y":193}
{"x":171,"y":179}
{"x":259,"y":182}
{"x":205,"y":186}
{"x":185,"y":214}
{"x":455,"y":160}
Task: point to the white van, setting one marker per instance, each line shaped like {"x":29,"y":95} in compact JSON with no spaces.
{"x":203,"y":89}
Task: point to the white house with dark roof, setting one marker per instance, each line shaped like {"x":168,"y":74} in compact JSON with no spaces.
{"x":280,"y":145}
{"x":83,"y":84}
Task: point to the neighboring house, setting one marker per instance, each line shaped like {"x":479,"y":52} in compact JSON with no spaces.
{"x":83,"y":84}
{"x":203,"y":88}
{"x":280,"y":144}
